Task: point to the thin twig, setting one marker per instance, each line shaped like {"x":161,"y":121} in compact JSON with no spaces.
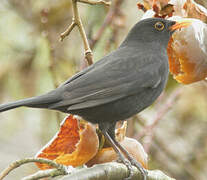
{"x":45,"y":173}
{"x":77,"y":19}
{"x":106,"y":3}
{"x":77,"y":22}
{"x":112,"y":13}
{"x":67,"y":31}
{"x":18,"y":163}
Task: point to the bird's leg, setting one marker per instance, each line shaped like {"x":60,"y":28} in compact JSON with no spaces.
{"x":121,"y":156}
{"x":108,"y":131}
{"x":131,"y":159}
{"x":111,"y":133}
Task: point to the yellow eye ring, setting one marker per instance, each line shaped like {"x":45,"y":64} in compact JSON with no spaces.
{"x":159,"y":26}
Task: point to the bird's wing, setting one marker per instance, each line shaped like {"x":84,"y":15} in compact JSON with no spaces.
{"x":110,"y":80}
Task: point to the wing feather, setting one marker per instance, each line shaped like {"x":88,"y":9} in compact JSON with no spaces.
{"x":110,"y":81}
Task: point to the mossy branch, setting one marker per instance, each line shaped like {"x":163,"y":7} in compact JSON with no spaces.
{"x":110,"y":171}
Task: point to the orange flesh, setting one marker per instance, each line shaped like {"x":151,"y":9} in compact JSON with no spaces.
{"x":183,"y":70}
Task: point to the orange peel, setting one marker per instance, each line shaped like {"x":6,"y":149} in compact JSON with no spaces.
{"x":187,"y":52}
{"x":75,"y":144}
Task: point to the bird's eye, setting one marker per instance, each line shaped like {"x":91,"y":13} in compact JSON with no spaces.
{"x":159,"y":26}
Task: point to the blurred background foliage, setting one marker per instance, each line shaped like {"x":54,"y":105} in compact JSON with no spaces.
{"x":34,"y":61}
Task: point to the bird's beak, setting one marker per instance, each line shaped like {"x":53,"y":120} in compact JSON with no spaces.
{"x":180,"y":24}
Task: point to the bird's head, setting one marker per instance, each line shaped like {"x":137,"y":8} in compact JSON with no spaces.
{"x":154,"y":30}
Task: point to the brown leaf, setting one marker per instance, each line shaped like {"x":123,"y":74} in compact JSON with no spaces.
{"x":168,"y":8}
{"x":121,"y":132}
{"x":194,"y":10}
{"x":75,"y":144}
{"x":162,"y":8}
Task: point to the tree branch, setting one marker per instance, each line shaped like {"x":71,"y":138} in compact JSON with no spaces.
{"x":44,"y":174}
{"x":97,"y":172}
{"x":112,"y":171}
{"x":18,"y":163}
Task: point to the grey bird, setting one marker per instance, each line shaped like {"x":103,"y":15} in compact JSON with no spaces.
{"x":119,"y":85}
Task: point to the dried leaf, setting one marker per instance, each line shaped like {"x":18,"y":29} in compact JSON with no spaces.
{"x":75,"y":144}
{"x":162,"y":8}
{"x":169,"y":8}
{"x":121,"y":132}
{"x":178,"y":7}
{"x":190,"y":9}
{"x":194,"y":10}
{"x":159,"y":3}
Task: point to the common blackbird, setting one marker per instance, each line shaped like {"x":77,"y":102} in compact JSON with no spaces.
{"x":121,"y":84}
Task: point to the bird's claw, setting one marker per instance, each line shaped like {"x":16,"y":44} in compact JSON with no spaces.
{"x":129,"y":167}
{"x":139,"y":166}
{"x":132,"y":162}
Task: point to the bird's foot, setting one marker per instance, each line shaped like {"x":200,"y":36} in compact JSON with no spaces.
{"x":128,"y":164}
{"x":133,"y":161}
{"x":142,"y":170}
{"x":128,"y":160}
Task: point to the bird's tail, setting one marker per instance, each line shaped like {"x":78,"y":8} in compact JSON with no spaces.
{"x":43,"y":101}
